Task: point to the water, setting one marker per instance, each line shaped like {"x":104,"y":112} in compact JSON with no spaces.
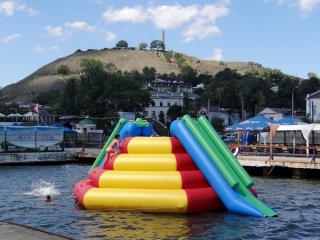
{"x":23,"y":190}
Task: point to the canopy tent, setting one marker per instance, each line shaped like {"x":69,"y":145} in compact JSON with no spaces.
{"x":291,"y":121}
{"x":304,"y":128}
{"x":15,"y":115}
{"x":259,"y":122}
{"x":2,"y":115}
{"x":15,"y":124}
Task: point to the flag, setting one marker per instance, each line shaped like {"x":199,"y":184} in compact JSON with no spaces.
{"x":36,"y":108}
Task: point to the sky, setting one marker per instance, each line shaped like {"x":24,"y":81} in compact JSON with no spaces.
{"x":279,"y":34}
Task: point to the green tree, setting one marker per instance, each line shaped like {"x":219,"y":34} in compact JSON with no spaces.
{"x":174,"y":112}
{"x":179,"y":59}
{"x":162,"y":118}
{"x":149,"y":73}
{"x":157,"y":44}
{"x":47,"y":98}
{"x":69,"y":98}
{"x":142,"y":46}
{"x":168,"y":56}
{"x":91,"y":87}
{"x":110,"y":67}
{"x":122,"y":44}
{"x":217,"y":124}
{"x":63,"y":70}
{"x":189,"y":75}
{"x":307,"y":118}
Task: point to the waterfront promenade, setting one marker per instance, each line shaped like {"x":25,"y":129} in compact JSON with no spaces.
{"x":14,"y":231}
{"x":260,"y":163}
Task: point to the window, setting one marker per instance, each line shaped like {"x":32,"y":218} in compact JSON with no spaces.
{"x":168,"y":104}
{"x":161,"y":104}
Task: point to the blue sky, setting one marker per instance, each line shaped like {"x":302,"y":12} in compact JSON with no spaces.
{"x":279,"y":34}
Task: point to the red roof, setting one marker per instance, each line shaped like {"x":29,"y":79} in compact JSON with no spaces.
{"x":316,"y":95}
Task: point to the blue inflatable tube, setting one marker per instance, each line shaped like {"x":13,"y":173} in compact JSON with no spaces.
{"x":231,"y":199}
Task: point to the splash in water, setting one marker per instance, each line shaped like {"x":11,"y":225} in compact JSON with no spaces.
{"x":42,"y":188}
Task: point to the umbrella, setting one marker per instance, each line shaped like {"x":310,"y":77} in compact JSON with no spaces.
{"x":258,"y":122}
{"x":290,"y":121}
{"x":14,"y":115}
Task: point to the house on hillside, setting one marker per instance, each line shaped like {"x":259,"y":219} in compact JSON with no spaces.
{"x":170,"y":86}
{"x":220,"y":113}
{"x":275,"y":113}
{"x":164,"y":100}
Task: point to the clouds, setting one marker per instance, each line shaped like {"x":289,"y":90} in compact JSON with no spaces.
{"x":217,"y":55}
{"x":38,"y":48}
{"x":9,"y":7}
{"x":82,"y":26}
{"x":54,"y":31}
{"x":198,"y":21}
{"x":307,"y":6}
{"x":110,"y":36}
{"x":126,"y":14}
{"x":68,"y":28}
{"x":11,"y":38}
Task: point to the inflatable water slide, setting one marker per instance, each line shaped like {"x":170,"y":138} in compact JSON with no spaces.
{"x":191,"y":171}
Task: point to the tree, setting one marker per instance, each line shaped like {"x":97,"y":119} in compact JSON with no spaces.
{"x":47,"y":98}
{"x":189,"y":75}
{"x":307,"y":118}
{"x":68,"y":101}
{"x":149,"y":73}
{"x":217,"y":124}
{"x":168,"y":56}
{"x":179,"y":59}
{"x":111,"y":67}
{"x":157,"y":44}
{"x":174,"y":112}
{"x":63,"y":70}
{"x":162,"y":118}
{"x":91,"y":87}
{"x":122,"y":44}
{"x":142,"y":46}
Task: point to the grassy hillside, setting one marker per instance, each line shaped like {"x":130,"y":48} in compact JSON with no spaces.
{"x":47,"y":78}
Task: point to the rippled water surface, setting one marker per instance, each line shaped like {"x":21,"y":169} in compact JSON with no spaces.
{"x":23,"y":188}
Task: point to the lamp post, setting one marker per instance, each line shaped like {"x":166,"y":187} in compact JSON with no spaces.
{"x":242,"y":108}
{"x":209,"y":107}
{"x":292,"y":94}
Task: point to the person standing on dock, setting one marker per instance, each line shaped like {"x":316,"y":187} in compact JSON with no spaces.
{"x":110,"y":149}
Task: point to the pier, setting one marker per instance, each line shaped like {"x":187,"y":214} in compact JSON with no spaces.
{"x":299,"y":165}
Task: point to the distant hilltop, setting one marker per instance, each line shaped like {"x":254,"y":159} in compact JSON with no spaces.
{"x":47,"y":78}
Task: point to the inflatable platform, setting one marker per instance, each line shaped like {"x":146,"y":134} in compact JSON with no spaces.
{"x":192,"y":171}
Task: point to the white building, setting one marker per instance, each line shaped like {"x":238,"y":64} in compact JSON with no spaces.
{"x":313,"y":106}
{"x":170,"y":86}
{"x":162,"y":102}
{"x":220,"y":113}
{"x":275,"y":113}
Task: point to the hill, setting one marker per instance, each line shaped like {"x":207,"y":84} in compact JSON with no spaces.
{"x":46,"y":78}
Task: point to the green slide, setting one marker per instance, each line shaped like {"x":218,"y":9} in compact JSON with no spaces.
{"x":223,"y":159}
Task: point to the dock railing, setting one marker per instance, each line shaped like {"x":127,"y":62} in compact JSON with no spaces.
{"x":281,"y":150}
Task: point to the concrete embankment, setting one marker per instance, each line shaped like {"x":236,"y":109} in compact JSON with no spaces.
{"x":43,"y":158}
{"x":13,"y":231}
